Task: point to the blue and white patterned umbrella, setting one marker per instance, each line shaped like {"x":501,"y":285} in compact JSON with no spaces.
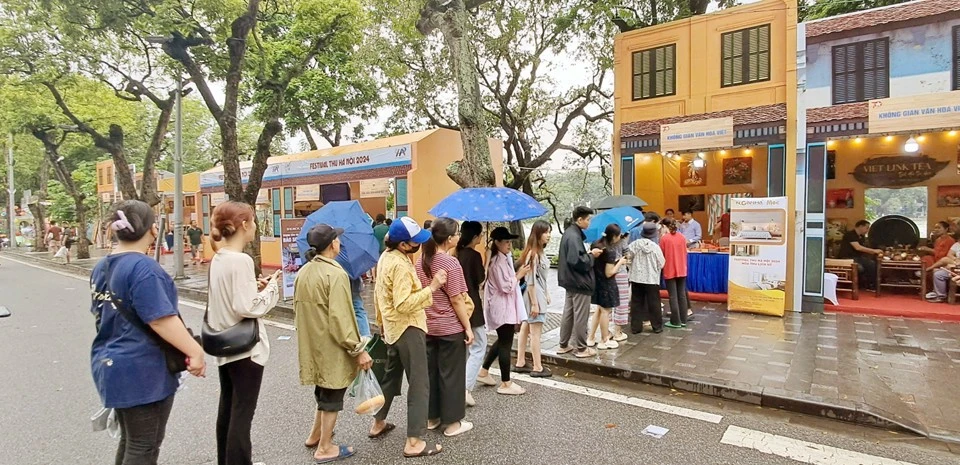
{"x":488,"y":204}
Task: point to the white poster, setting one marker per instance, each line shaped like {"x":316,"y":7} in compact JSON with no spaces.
{"x":216,"y":198}
{"x":308,"y":193}
{"x":374,"y":188}
{"x":758,"y":255}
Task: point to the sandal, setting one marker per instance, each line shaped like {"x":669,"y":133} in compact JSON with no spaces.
{"x":464,"y":427}
{"x":426,"y":452}
{"x":344,"y":453}
{"x":386,"y":429}
{"x":432,"y":426}
{"x":544,"y":373}
{"x":311,"y":446}
{"x":523,"y":369}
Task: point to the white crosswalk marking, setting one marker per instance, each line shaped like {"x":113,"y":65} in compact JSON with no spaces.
{"x":614,"y":397}
{"x":801,"y":451}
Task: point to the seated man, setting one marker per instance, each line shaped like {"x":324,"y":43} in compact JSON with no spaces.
{"x":941,"y":276}
{"x":852,"y":246}
{"x":942,"y":240}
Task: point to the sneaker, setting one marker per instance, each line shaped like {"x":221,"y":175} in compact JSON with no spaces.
{"x":513,"y":390}
{"x":689,"y":312}
{"x":591,"y":343}
{"x":931,"y":295}
{"x":586,"y":353}
{"x":608,"y":345}
{"x":671,"y":325}
{"x":487,"y":381}
{"x":564,"y":350}
{"x":470,"y":401}
{"x":620,"y":337}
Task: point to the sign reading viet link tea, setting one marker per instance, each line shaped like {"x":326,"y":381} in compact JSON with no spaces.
{"x":917,"y":112}
{"x":897,"y":170}
{"x":696,"y":135}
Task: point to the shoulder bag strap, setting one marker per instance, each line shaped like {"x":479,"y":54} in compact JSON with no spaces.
{"x":125,"y":311}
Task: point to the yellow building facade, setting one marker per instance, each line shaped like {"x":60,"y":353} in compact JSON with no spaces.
{"x":705,"y":110}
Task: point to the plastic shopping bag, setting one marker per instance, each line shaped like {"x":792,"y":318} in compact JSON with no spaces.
{"x":367,"y":391}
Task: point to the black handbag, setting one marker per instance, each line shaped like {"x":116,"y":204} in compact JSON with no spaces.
{"x":176,"y":360}
{"x":235,"y":340}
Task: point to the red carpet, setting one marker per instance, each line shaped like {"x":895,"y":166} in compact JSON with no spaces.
{"x":700,"y":297}
{"x":896,"y":305}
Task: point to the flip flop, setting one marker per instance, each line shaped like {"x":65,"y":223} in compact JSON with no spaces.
{"x":344,"y":453}
{"x":426,"y":452}
{"x":386,"y":429}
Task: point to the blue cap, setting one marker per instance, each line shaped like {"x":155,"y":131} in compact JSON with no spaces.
{"x":407,"y":230}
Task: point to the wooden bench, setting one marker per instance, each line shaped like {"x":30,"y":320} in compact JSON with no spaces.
{"x":846,"y":271}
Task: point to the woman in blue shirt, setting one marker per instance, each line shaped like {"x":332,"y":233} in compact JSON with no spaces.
{"x":129,"y":367}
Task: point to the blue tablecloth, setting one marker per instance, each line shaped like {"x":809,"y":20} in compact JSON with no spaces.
{"x":707,"y":272}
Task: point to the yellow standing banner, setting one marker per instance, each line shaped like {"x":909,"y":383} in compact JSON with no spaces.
{"x":758,"y":255}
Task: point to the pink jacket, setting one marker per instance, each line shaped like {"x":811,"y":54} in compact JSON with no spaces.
{"x":501,"y":294}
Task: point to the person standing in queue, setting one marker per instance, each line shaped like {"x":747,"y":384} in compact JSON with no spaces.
{"x":448,"y":330}
{"x":536,"y":299}
{"x":646,"y":263}
{"x":134,"y":302}
{"x":234,"y":295}
{"x":400,"y":303}
{"x":575,"y":275}
{"x":474,"y":274}
{"x":504,"y":308}
{"x":674,"y":247}
{"x":331,"y":349}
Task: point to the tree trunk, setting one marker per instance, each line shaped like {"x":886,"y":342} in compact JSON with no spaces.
{"x":38,"y":210}
{"x":476,"y":169}
{"x":83,"y":242}
{"x":148,"y":187}
{"x":310,"y":140}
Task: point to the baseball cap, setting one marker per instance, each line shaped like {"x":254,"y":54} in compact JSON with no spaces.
{"x":502,"y":234}
{"x":407,"y":230}
{"x":321,"y":236}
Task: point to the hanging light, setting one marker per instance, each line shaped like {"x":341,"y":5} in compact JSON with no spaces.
{"x":911,"y":146}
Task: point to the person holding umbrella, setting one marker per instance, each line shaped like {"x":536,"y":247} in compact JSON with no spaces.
{"x":400,"y":302}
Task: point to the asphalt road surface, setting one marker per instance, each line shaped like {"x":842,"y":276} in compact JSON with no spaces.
{"x":47,"y":397}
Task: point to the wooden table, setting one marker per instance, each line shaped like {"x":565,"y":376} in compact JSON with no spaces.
{"x":908,"y":267}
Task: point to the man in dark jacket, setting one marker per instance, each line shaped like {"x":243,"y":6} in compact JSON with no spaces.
{"x":575,"y":275}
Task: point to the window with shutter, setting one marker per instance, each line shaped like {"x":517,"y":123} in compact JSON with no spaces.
{"x":861,"y":71}
{"x":745,"y":56}
{"x":956,"y":57}
{"x":654,"y":72}
{"x":626,"y":176}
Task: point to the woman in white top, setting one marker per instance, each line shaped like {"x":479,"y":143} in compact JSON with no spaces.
{"x":235,"y":294}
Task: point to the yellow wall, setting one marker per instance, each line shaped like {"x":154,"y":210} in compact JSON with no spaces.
{"x":427,"y":181}
{"x":941,"y":146}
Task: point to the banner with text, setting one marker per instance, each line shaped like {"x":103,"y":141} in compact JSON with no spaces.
{"x":290,"y":229}
{"x":921,"y":112}
{"x":758,"y":255}
{"x":696,"y":135}
{"x":308,"y":193}
{"x":374,"y":188}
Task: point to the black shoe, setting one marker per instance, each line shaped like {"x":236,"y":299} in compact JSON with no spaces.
{"x":636,"y":332}
{"x":657,"y":330}
{"x":523,"y":369}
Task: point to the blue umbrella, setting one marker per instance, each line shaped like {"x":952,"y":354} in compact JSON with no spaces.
{"x":625,"y":217}
{"x":359,"y":249}
{"x":488,"y":204}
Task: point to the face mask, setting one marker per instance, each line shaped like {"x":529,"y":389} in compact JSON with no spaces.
{"x":413,"y":249}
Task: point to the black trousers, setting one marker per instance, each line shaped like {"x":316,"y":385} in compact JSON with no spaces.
{"x":408,"y":355}
{"x":141,"y":432}
{"x":866,"y":271}
{"x":501,"y":350}
{"x":239,"y":392}
{"x":677,"y":288}
{"x":448,"y":377}
{"x":645,"y":305}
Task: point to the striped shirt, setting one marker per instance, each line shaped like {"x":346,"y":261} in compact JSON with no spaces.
{"x":441,"y":318}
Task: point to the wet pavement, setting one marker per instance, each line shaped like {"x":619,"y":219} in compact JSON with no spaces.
{"x":869,"y":370}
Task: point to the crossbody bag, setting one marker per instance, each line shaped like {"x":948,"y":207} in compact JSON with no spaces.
{"x":235,"y":340}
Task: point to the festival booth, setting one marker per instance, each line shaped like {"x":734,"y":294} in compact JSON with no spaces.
{"x":395,"y":176}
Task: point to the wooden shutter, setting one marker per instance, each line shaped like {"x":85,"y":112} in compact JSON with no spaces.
{"x":671,"y":73}
{"x":763,"y":55}
{"x":875,"y":69}
{"x":637,"y":75}
{"x":727,"y":59}
{"x":956,"y":57}
{"x":626,"y":176}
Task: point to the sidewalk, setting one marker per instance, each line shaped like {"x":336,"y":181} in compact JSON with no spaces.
{"x":889,"y":372}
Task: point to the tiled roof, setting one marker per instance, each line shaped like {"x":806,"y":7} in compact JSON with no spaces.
{"x":741,"y":116}
{"x":837,"y":113}
{"x":884,"y":15}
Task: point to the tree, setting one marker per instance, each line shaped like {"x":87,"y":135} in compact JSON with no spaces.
{"x":630,"y":15}
{"x":810,"y":10}
{"x":52,"y":140}
{"x":570,"y":187}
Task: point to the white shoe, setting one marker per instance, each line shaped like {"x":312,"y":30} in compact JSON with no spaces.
{"x":591,"y":343}
{"x":608,"y":345}
{"x":470,"y":401}
{"x":620,"y":337}
{"x":464,"y":427}
{"x":513,"y":390}
{"x":931,"y":295}
{"x":487,"y":381}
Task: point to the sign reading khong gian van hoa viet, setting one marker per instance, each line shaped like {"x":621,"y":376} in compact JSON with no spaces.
{"x":897,"y":170}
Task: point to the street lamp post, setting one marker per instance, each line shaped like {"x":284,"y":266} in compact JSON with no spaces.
{"x":11,"y":206}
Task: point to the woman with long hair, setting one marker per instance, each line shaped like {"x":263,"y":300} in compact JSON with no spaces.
{"x":448,"y":330}
{"x":536,"y":298}
{"x":606,"y":294}
{"x":674,"y":247}
{"x":504,"y":309}
{"x":235,"y":294}
{"x":474,"y":274}
{"x":134,"y":302}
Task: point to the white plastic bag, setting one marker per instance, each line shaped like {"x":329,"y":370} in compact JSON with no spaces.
{"x":106,"y":420}
{"x":366,"y":390}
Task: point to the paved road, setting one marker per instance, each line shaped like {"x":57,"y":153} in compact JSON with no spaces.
{"x":47,"y":397}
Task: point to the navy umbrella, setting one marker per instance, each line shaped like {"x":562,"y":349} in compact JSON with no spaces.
{"x":359,"y":250}
{"x":488,"y":204}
